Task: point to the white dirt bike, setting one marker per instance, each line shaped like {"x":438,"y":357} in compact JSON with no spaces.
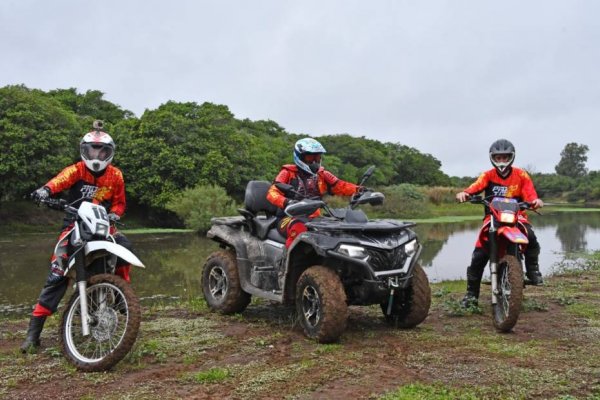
{"x":101,"y":320}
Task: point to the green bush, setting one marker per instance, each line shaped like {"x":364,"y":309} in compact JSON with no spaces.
{"x":198,"y":205}
{"x":405,"y":200}
{"x":441,"y":194}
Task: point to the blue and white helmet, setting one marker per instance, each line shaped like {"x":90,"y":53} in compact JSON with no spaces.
{"x":305,"y":147}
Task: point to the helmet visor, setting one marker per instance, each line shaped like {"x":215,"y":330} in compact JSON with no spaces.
{"x":96,"y":151}
{"x":310,"y":158}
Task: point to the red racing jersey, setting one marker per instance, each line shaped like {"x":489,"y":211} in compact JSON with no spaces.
{"x":323,"y":182}
{"x":107,"y":189}
{"x":517,"y":185}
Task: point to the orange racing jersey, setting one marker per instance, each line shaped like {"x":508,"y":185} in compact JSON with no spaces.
{"x":517,"y":185}
{"x":107,"y":188}
{"x":318,"y":185}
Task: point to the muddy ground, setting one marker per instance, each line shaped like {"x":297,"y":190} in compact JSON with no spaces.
{"x":185,"y":351}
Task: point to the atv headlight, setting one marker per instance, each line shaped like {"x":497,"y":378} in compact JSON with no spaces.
{"x":410,"y":248}
{"x":353,"y":251}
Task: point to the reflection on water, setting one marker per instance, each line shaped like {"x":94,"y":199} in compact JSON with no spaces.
{"x":174,"y":260}
{"x":448,"y":247}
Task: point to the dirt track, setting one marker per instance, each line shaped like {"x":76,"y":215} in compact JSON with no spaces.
{"x":185,"y":351}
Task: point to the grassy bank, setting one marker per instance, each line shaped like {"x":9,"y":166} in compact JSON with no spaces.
{"x":184,"y":350}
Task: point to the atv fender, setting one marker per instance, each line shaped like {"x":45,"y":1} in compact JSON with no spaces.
{"x":246,"y":248}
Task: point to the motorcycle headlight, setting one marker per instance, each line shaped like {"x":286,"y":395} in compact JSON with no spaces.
{"x":353,"y":251}
{"x":508,"y":217}
{"x":410,"y":248}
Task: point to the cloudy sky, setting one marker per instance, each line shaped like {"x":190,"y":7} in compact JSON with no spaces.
{"x":445,"y":77}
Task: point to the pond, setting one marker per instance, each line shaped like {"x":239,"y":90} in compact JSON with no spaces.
{"x":174,"y":260}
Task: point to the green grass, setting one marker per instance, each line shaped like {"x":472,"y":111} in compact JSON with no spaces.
{"x":587,"y":311}
{"x":419,"y":391}
{"x":212,"y":375}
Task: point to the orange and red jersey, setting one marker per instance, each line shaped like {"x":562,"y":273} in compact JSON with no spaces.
{"x":517,"y":185}
{"x":323,"y":182}
{"x":107,"y":188}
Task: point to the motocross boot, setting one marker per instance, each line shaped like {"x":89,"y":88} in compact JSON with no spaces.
{"x":32,"y":341}
{"x":472,"y":296}
{"x":474,"y":274}
{"x":534,"y":276}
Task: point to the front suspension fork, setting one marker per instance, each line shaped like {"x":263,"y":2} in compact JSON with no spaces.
{"x":494,"y":263}
{"x":80,"y":277}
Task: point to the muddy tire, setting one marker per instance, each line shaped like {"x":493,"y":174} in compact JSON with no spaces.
{"x":115,"y":312}
{"x":510,"y":286}
{"x":221,"y":284}
{"x":411,"y":306}
{"x":321,"y":304}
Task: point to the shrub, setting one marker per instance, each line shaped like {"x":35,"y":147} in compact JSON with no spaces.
{"x":441,"y":194}
{"x":405,"y":200}
{"x":198,"y":205}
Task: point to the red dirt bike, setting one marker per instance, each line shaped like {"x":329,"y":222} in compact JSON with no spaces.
{"x":507,"y":240}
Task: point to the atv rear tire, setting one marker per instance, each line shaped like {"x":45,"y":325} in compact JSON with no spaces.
{"x":221,"y":284}
{"x":321,"y":304}
{"x":410,"y":306}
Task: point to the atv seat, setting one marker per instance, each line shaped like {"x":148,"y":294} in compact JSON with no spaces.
{"x":262,"y":212}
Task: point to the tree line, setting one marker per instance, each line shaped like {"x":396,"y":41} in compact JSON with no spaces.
{"x":179,"y":146}
{"x":176,"y":146}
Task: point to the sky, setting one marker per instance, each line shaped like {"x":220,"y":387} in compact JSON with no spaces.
{"x":445,"y":77}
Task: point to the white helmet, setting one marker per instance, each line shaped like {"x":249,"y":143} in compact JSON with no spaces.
{"x":97,"y":149}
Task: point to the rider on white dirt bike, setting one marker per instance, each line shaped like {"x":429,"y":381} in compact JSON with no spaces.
{"x":92,"y":178}
{"x":503,"y":180}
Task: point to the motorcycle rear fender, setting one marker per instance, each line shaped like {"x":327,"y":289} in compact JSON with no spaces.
{"x":513,"y":234}
{"x":113,"y":248}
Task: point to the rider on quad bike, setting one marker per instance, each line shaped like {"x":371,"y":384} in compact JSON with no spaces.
{"x":341,"y":258}
{"x":308,"y":178}
{"x":503,"y":180}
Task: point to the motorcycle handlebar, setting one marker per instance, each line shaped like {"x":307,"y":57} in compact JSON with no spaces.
{"x":523,"y":205}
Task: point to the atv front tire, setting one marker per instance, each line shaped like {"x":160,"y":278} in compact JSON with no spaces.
{"x":221,"y":284}
{"x":321,"y":304}
{"x":410,"y":306}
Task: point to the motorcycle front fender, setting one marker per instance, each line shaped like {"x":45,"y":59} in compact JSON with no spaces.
{"x":513,"y":234}
{"x":115,"y":249}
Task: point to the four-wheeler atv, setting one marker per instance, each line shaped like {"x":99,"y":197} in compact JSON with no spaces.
{"x":343,"y":259}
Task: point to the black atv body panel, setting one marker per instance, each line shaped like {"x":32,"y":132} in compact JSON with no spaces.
{"x":385,"y":250}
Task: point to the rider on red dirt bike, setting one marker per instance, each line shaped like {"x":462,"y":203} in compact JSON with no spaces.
{"x":503,"y":180}
{"x":92,"y":178}
{"x":308,"y":178}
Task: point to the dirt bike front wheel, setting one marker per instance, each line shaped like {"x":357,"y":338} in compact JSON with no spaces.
{"x":510,"y":293}
{"x":115,"y":316}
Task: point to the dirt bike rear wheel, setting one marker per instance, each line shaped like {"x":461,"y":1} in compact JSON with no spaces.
{"x":321,"y":304}
{"x":510,"y":294}
{"x":115,"y":321}
{"x":411,"y":306}
{"x":221,"y":284}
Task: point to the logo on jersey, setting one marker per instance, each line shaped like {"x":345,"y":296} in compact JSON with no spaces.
{"x":88,"y":191}
{"x":499,"y":191}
